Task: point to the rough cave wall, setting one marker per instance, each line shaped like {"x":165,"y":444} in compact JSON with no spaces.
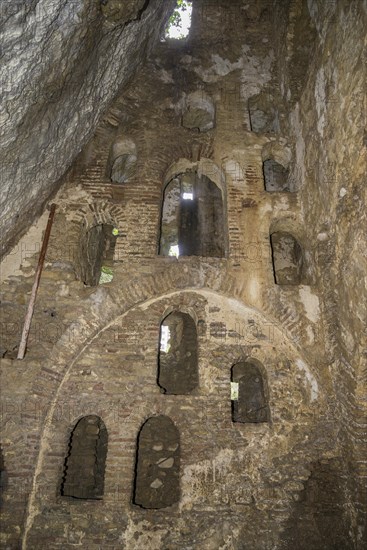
{"x":328,"y":123}
{"x":94,"y":350}
{"x":63,"y":62}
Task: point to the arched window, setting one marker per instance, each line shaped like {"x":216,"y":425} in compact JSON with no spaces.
{"x":96,"y":254}
{"x":85,"y":463}
{"x":192,"y":221}
{"x":287,"y":256}
{"x":275,"y":176}
{"x":157,"y":483}
{"x":248,"y":394}
{"x":178,"y":354}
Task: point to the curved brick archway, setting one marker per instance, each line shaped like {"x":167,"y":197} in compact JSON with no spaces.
{"x":106,"y":308}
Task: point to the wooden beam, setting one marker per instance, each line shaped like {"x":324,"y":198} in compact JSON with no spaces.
{"x":32,"y":301}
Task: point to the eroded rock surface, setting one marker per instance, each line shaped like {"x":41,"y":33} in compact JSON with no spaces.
{"x":63,"y":62}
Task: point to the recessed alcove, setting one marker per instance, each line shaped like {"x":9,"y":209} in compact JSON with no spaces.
{"x":84,"y":468}
{"x":263,"y":115}
{"x":96,"y":254}
{"x":287,"y":259}
{"x":275,"y":176}
{"x":249,"y":393}
{"x":276,"y":163}
{"x":121,"y":166}
{"x":178,"y":354}
{"x":199,"y":112}
{"x":157,"y":469}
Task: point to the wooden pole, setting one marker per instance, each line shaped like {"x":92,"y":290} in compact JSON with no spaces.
{"x":41,"y":260}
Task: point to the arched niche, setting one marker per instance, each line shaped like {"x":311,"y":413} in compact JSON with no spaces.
{"x":192,"y":219}
{"x":178,"y":354}
{"x":276,"y":176}
{"x":96,"y":249}
{"x":287,"y":259}
{"x":122,"y":161}
{"x":84,"y":467}
{"x":157,"y":471}
{"x":249,"y":393}
{"x":199,"y":112}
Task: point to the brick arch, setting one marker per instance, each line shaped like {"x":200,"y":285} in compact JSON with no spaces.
{"x":101,"y":212}
{"x":205,"y":166}
{"x":107,"y":306}
{"x":168,"y":154}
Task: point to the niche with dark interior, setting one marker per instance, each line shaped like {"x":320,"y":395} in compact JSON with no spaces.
{"x":264,"y":117}
{"x":84,"y":466}
{"x":157,"y":471}
{"x":275,"y":176}
{"x":178,"y":354}
{"x":249,"y":394}
{"x":97,"y":249}
{"x":287,"y":257}
{"x":192,"y":221}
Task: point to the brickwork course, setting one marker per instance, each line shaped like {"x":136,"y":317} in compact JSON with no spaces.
{"x":193,"y":469}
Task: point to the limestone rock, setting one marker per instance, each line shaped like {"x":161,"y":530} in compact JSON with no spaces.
{"x":62,"y":64}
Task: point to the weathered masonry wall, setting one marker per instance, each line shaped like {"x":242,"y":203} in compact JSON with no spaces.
{"x":328,"y":124}
{"x":229,"y":106}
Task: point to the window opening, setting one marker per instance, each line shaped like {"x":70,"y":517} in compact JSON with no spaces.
{"x":234,"y":391}
{"x":96,"y":254}
{"x":107,"y":271}
{"x":178,"y":354}
{"x":192,"y":219}
{"x":174,"y":250}
{"x":165,"y":337}
{"x":180,"y":21}
{"x":248,"y":394}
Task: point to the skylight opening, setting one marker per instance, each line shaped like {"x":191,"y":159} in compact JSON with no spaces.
{"x":188,"y":196}
{"x":180,"y":21}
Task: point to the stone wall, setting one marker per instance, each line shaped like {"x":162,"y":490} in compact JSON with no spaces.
{"x":94,"y":350}
{"x":328,"y":124}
